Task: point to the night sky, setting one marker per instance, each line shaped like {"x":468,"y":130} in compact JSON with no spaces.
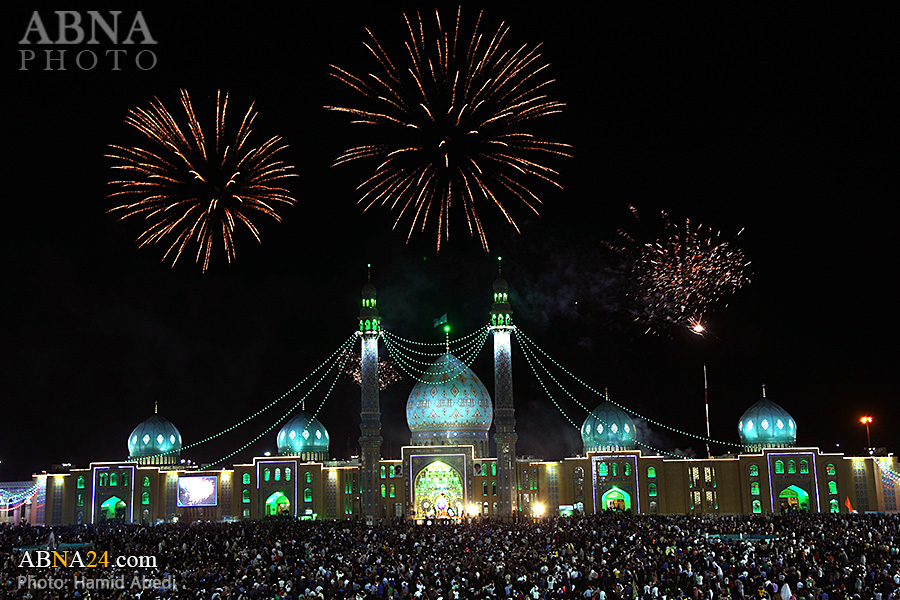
{"x":776,"y":122}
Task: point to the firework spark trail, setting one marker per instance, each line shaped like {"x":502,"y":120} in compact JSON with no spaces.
{"x":388,"y":373}
{"x":452,"y":123}
{"x":189,"y":191}
{"x":683,"y":274}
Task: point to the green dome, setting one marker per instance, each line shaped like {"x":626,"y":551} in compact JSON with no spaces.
{"x":767,"y":425}
{"x":155,"y":436}
{"x":608,"y":427}
{"x":304,"y":436}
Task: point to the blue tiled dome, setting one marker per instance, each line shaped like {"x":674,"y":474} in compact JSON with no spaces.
{"x":608,"y":427}
{"x":450,"y":405}
{"x":767,"y":425}
{"x":304,"y":436}
{"x":153,"y":437}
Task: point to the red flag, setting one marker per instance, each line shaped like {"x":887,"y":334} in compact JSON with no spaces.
{"x":847,"y":503}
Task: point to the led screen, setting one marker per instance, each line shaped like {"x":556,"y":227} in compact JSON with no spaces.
{"x":198,"y":491}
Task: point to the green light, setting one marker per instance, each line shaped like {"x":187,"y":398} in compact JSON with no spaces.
{"x":446,"y":329}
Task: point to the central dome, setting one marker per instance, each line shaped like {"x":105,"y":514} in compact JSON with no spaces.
{"x":450,"y":405}
{"x":155,"y":441}
{"x":767,"y":425}
{"x":608,"y":427}
{"x":304,"y":436}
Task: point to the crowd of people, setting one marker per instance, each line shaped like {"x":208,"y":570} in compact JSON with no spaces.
{"x":608,"y":556}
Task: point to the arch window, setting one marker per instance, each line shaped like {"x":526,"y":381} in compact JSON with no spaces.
{"x":804,"y":467}
{"x":829,"y":469}
{"x":79,"y":500}
{"x":267,"y":474}
{"x":615,"y":469}
{"x":779,"y":467}
{"x":393,"y":491}
{"x":287,"y":473}
{"x":245,"y":498}
{"x":113,"y":479}
{"x":80,"y":483}
{"x":493,"y":488}
{"x":278,"y":474}
{"x":835,"y":507}
{"x":246,"y":479}
{"x":792,"y":467}
{"x":383,"y":490}
{"x":757,"y":506}
{"x":484,"y":488}
{"x":147,"y":480}
{"x":754,"y":471}
{"x":145,"y":498}
{"x":832,"y":487}
{"x":493,"y":469}
{"x":383,"y":471}
{"x":754,"y":488}
{"x":307,"y":495}
{"x":602,"y":469}
{"x":627,"y":469}
{"x":651,"y":472}
{"x":104,"y":479}
{"x":308,"y":477}
{"x":651,"y":489}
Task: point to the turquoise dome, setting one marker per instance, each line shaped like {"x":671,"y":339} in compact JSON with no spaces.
{"x":767,"y":425}
{"x":153,"y":437}
{"x":450,"y":405}
{"x":608,"y":427}
{"x":304,"y":436}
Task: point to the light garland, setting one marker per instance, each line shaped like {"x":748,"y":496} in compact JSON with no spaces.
{"x":466,"y":358}
{"x":625,"y":408}
{"x":404,"y":340}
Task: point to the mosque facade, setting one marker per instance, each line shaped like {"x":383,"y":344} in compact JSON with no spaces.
{"x":447,"y":472}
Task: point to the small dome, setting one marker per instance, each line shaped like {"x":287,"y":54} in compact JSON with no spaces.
{"x":368,"y":290}
{"x":767,"y":425}
{"x":450,"y":405}
{"x":500,"y":285}
{"x":155,"y":436}
{"x":304,"y":436}
{"x":608,"y":427}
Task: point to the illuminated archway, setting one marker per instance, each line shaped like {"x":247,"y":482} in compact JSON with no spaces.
{"x":112,"y":508}
{"x":616,"y":499}
{"x":438,"y":492}
{"x":278,"y":504}
{"x":793,"y":499}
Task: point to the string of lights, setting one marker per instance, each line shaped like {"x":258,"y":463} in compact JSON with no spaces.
{"x":345,"y":345}
{"x":21,"y":497}
{"x":342,"y":358}
{"x":396,"y":338}
{"x":466,"y":358}
{"x":625,"y":408}
{"x":461,"y":349}
{"x":529,"y":356}
{"x":885,"y":465}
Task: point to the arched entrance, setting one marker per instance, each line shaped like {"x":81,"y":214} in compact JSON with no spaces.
{"x":112,"y":508}
{"x":793,"y":499}
{"x":616,"y":499}
{"x":278,"y":504}
{"x":438,"y":492}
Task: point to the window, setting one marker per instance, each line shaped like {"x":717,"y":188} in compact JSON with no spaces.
{"x":832,"y":487}
{"x":804,"y":467}
{"x":754,"y":488}
{"x":627,"y":469}
{"x":602,"y":469}
{"x":615,"y":469}
{"x":145,"y":498}
{"x":278,"y":474}
{"x":484,"y":488}
{"x":493,"y":488}
{"x":80,"y":483}
{"x":307,"y":494}
{"x":383,"y":490}
{"x":113,"y":479}
{"x":124,"y":478}
{"x":266,"y":475}
{"x":393,"y":492}
{"x":779,"y":467}
{"x":246,"y":497}
{"x":104,"y":479}
{"x":246,"y":479}
{"x":147,"y":479}
{"x":79,"y":500}
{"x":754,"y":471}
{"x":834,"y":506}
{"x":651,"y":489}
{"x":651,"y":472}
{"x":308,"y":477}
{"x":829,"y":469}
{"x":383,"y":472}
{"x":287,"y":473}
{"x":757,"y":506}
{"x":493,"y":469}
{"x":792,"y":467}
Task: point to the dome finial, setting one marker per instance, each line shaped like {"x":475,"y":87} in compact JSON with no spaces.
{"x":500,"y":266}
{"x":764,"y":390}
{"x":156,"y":407}
{"x":369,"y":272}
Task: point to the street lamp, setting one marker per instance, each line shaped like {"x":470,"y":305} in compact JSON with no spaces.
{"x":865,"y":421}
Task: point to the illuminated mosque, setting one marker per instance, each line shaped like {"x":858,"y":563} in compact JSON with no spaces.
{"x":447,"y":471}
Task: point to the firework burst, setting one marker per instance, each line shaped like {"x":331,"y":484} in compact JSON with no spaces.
{"x":388,"y":373}
{"x":191,"y":188}
{"x":451,"y":119}
{"x":682,"y":274}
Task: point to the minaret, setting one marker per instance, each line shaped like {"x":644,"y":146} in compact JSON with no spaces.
{"x":504,"y":409}
{"x":370,"y":414}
